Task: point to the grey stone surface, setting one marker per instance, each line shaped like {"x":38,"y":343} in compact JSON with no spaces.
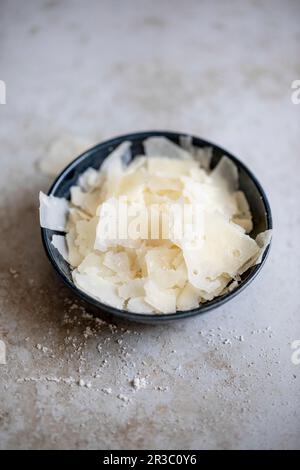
{"x":222,"y":70}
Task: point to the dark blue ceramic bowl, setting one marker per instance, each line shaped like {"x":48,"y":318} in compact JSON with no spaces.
{"x":261,"y":212}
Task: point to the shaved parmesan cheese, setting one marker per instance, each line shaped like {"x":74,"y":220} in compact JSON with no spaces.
{"x":59,"y":242}
{"x":53,"y":212}
{"x":158,"y":233}
{"x":163,"y":300}
{"x":88,"y":202}
{"x":75,"y":257}
{"x":160,"y":257}
{"x":188,"y":298}
{"x":160,"y":146}
{"x":138,"y":305}
{"x":132,"y":288}
{"x":86,"y":231}
{"x":263,"y":240}
{"x":118,"y":263}
{"x":116,"y":161}
{"x":169,"y":168}
{"x":90,"y":179}
{"x":202,"y":155}
{"x":132,"y":185}
{"x":93,"y":264}
{"x":225,"y":175}
{"x":225,"y":249}
{"x":243,"y":217}
{"x":113,"y":167}
{"x":169,"y":277}
{"x":97,"y":287}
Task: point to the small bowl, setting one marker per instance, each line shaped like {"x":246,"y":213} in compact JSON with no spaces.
{"x":260,"y":209}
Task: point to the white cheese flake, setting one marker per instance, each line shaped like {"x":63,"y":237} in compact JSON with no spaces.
{"x":59,"y":242}
{"x":53,"y":212}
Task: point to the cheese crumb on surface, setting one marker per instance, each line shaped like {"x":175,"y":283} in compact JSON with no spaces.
{"x":138,"y":383}
{"x":123,"y":398}
{"x":156,"y":265}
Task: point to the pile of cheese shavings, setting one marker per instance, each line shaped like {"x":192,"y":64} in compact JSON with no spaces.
{"x":145,"y":275}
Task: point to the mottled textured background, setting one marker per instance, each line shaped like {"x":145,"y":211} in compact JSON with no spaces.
{"x":91,"y":70}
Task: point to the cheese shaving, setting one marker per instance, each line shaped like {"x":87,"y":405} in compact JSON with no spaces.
{"x":59,"y":242}
{"x":53,"y":212}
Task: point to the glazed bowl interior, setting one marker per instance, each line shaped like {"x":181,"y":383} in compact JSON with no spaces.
{"x":94,"y":158}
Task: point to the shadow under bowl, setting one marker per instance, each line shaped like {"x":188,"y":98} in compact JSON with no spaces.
{"x":94,"y":157}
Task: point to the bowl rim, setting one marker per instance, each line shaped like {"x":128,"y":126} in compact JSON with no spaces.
{"x":161,"y":317}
